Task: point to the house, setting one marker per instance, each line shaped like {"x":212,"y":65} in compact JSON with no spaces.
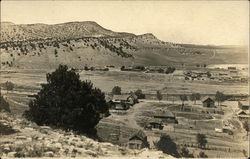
{"x":244,"y":105}
{"x":208,"y":102}
{"x":243,"y":114}
{"x":155,"y":124}
{"x":165,"y":116}
{"x":138,"y":140}
{"x":125,"y":98}
{"x":231,"y":68}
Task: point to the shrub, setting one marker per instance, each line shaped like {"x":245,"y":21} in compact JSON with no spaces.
{"x":166,"y":145}
{"x":139,"y":94}
{"x":201,"y":140}
{"x":67,"y":102}
{"x":4,"y":105}
{"x":116,"y":90}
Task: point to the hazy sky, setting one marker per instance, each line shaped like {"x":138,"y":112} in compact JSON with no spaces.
{"x":206,"y":22}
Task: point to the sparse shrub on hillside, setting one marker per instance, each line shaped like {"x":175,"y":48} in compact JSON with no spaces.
{"x":67,"y":102}
{"x":71,"y":48}
{"x":116,"y":90}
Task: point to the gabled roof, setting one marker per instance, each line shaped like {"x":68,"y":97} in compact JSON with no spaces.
{"x":140,"y":134}
{"x":207,"y":98}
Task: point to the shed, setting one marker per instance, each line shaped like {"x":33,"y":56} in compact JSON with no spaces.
{"x":208,"y":102}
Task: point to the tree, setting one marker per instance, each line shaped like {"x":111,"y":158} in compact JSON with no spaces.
{"x":139,"y":94}
{"x":201,"y":140}
{"x":185,"y":153}
{"x":166,"y":145}
{"x":122,"y":68}
{"x":158,"y":95}
{"x":195,"y":96}
{"x":219,"y":97}
{"x":183,"y":99}
{"x":9,"y":86}
{"x":116,"y":90}
{"x":67,"y":102}
{"x":202,"y":155}
{"x":246,"y":126}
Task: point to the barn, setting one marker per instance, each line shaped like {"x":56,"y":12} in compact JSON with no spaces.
{"x":208,"y":102}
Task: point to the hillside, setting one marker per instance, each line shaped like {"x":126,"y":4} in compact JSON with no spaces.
{"x":77,"y":44}
{"x":22,"y":138}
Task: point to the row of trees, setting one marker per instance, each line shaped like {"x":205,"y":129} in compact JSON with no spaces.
{"x":219,"y":97}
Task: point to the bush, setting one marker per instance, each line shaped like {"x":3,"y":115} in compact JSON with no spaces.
{"x":201,"y":140}
{"x":139,"y":94}
{"x":4,"y":105}
{"x":67,"y":102}
{"x":116,"y":90}
{"x":166,"y":145}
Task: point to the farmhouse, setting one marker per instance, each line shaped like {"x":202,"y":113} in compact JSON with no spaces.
{"x":138,"y":140}
{"x":208,"y":102}
{"x":155,"y":124}
{"x":166,"y":116}
{"x":243,"y":114}
{"x":244,"y":105}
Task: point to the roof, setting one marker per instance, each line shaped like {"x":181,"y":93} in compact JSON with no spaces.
{"x":121,"y":97}
{"x":164,"y":113}
{"x":206,"y":98}
{"x":140,"y":134}
{"x":154,"y":120}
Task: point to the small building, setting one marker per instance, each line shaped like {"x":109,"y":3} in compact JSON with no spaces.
{"x":165,"y":116}
{"x":243,"y":105}
{"x":208,"y":102}
{"x":243,"y":114}
{"x":138,"y":140}
{"x":155,"y":124}
{"x":126,"y":98}
{"x":231,"y":68}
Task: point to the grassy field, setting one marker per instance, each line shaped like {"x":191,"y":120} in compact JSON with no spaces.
{"x":193,"y":120}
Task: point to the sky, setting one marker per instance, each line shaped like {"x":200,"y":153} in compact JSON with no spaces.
{"x":195,"y":22}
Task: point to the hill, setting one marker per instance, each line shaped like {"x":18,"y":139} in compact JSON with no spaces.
{"x":77,"y":44}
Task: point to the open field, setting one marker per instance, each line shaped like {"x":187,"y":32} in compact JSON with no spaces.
{"x":192,"y":120}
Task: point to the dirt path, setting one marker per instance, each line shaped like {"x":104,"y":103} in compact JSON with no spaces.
{"x":130,"y":117}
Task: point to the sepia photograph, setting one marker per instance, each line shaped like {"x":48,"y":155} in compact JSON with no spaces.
{"x":124,"y":79}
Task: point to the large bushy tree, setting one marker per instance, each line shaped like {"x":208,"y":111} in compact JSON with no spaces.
{"x":67,"y":102}
{"x":167,"y":145}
